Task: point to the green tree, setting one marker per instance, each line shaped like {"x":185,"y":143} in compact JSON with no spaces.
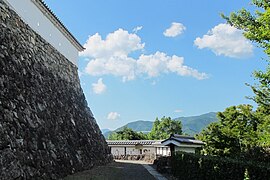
{"x":256,"y":27}
{"x":234,"y":133}
{"x":164,"y":127}
{"x":263,"y":128}
{"x":127,"y":134}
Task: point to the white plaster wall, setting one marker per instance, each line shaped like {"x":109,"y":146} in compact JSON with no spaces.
{"x":32,"y":16}
{"x":145,"y":150}
{"x":120,"y":150}
{"x":132,"y":151}
{"x":117,"y":151}
{"x":158,"y":151}
{"x":185,"y":149}
{"x":164,"y":151}
{"x":150,"y":150}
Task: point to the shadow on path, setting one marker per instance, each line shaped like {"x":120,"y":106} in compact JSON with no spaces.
{"x":114,"y":170}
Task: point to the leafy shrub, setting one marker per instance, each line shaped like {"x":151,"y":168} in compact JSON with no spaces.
{"x":258,"y":171}
{"x":163,"y":163}
{"x":192,"y":167}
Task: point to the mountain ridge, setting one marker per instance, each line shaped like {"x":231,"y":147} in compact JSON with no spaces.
{"x":190,"y":125}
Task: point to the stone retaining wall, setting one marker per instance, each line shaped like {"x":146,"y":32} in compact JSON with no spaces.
{"x":47,"y":130}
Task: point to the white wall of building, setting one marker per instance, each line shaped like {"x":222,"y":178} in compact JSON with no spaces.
{"x":185,"y":149}
{"x":117,"y":150}
{"x":131,"y":150}
{"x":163,"y":151}
{"x":149,"y":150}
{"x":33,"y":16}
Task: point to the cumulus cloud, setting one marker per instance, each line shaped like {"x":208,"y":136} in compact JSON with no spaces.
{"x":111,"y":57}
{"x":175,"y":30}
{"x":119,"y":43}
{"x":113,"y":116}
{"x":155,"y":64}
{"x":226,"y":40}
{"x":99,"y":87}
{"x":115,"y":65}
{"x":136,"y":29}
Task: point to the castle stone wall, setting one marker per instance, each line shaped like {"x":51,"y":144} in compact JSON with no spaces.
{"x":47,"y":130}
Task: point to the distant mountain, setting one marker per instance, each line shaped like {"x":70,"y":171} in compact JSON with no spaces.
{"x":139,"y":126}
{"x":106,"y":134}
{"x":191,"y":125}
{"x":195,"y":124}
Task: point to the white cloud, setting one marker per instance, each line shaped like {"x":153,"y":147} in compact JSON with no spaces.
{"x":113,"y":116}
{"x":99,"y":87}
{"x":115,"y":65}
{"x":136,"y":29}
{"x":226,"y":40}
{"x":111,"y":57}
{"x":175,"y":30}
{"x":119,"y":43}
{"x":155,"y":64}
{"x":178,"y":110}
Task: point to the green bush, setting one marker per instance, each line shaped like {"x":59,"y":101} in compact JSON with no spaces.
{"x":193,"y":167}
{"x":258,"y":171}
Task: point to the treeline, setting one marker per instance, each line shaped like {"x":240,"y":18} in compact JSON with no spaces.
{"x":161,"y":129}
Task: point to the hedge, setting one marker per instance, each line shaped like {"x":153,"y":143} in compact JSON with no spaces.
{"x":191,"y":167}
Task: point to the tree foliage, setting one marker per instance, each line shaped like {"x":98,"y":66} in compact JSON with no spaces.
{"x":240,"y":129}
{"x":127,"y":134}
{"x":163,"y":128}
{"x":256,"y":27}
{"x":235,"y":132}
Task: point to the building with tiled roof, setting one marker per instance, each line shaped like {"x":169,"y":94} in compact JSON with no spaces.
{"x":44,"y":22}
{"x":156,"y":147}
{"x":137,"y":147}
{"x":130,"y":142}
{"x":182,"y":143}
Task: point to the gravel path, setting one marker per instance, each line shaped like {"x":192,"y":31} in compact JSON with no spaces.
{"x":114,"y":171}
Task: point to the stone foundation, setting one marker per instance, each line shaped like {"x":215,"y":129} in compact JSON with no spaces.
{"x":47,"y":130}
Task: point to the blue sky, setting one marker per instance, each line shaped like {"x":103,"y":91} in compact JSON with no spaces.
{"x":154,"y":58}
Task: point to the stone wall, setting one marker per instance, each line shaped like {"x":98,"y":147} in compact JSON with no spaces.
{"x":47,"y":130}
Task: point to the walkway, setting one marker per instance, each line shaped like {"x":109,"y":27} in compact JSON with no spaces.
{"x":147,"y":166}
{"x":121,"y":169}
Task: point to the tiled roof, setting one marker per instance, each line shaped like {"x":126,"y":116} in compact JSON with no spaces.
{"x":58,"y":23}
{"x":130,"y":142}
{"x":188,"y":141}
{"x":184,"y":139}
{"x":182,"y":136}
